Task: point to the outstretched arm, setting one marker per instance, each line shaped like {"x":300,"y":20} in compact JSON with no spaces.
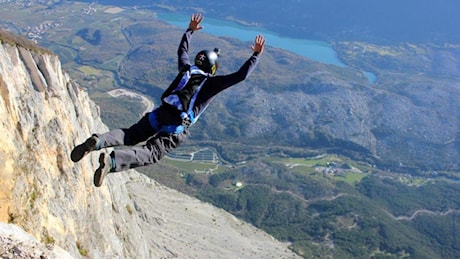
{"x":215,"y":84}
{"x":182,"y":52}
{"x":248,"y":66}
{"x":225,"y":81}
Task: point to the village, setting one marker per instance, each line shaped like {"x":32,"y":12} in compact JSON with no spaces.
{"x":37,"y":31}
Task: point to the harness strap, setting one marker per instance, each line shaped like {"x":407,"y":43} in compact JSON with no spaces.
{"x":188,"y":117}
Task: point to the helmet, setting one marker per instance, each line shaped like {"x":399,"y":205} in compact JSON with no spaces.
{"x":207,"y":60}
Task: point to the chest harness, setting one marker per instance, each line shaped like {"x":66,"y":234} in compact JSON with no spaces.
{"x":182,"y":98}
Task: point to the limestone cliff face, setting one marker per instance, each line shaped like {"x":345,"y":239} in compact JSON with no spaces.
{"x":44,"y":115}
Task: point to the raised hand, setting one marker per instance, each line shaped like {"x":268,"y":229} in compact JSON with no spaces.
{"x":259,"y":44}
{"x":195,"y":21}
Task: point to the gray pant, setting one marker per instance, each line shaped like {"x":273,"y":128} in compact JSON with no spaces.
{"x":156,"y":146}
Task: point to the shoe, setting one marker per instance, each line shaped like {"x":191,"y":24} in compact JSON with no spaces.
{"x":105,"y":165}
{"x":83,"y":149}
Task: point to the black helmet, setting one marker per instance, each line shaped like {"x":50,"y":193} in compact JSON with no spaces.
{"x":207,"y":60}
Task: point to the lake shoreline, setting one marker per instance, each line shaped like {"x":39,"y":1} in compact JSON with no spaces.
{"x":319,"y":51}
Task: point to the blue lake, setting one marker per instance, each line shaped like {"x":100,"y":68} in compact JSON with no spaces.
{"x":316,"y":50}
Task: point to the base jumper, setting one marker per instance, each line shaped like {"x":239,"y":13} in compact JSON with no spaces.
{"x":167,"y":126}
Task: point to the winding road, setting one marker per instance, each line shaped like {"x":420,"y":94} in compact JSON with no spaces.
{"x":148,"y":104}
{"x":422,"y":211}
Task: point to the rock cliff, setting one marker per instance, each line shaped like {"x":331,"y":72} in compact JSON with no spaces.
{"x":44,"y":115}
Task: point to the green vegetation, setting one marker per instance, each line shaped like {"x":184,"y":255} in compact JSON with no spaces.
{"x":129,"y":209}
{"x":402,"y":199}
{"x":120,"y":111}
{"x":355,"y":215}
{"x":350,"y":178}
{"x":191,"y":166}
{"x":188,"y":166}
{"x":81,"y":249}
{"x":33,"y":195}
{"x":47,"y":239}
{"x":331,"y":166}
{"x":11,"y":218}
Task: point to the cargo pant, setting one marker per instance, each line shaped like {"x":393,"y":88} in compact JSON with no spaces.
{"x":156,"y":145}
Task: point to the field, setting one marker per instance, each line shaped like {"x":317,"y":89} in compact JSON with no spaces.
{"x":330,"y":166}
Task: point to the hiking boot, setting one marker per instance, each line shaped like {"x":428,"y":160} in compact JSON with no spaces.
{"x":105,"y":165}
{"x":83,"y":149}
